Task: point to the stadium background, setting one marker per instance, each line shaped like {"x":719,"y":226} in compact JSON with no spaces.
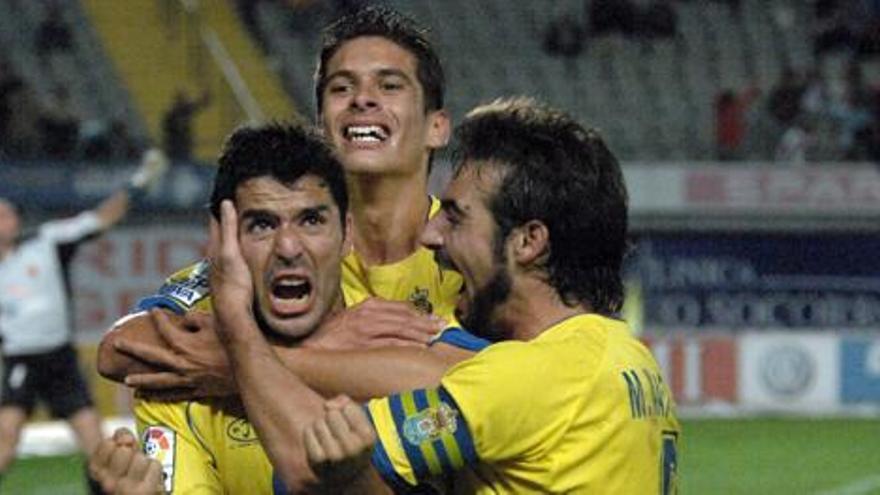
{"x":756,"y":281}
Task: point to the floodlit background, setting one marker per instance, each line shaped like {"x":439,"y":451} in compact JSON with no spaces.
{"x":749,"y":132}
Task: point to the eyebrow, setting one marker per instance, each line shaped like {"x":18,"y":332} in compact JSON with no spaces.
{"x":256,"y":213}
{"x":383,"y":72}
{"x":451,"y":206}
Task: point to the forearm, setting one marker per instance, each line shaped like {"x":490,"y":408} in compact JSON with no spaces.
{"x":365,"y":374}
{"x":278,"y":403}
{"x":112,"y":209}
{"x":113,"y":364}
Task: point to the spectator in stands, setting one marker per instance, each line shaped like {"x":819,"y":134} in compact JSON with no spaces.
{"x":816,"y":98}
{"x":10,"y":87}
{"x":177,"y":124}
{"x":610,"y":16}
{"x":657,"y":20}
{"x":107,"y":141}
{"x":53,"y":34}
{"x":797,"y":143}
{"x":565,"y":38}
{"x":59,"y":126}
{"x":784,"y":101}
{"x":248,"y":11}
{"x":731,"y":109}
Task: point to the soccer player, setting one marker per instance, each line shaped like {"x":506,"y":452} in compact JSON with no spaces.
{"x":380,"y":91}
{"x":290,"y":189}
{"x":567,"y":401}
{"x":39,"y":360}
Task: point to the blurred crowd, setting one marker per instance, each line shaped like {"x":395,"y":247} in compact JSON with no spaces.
{"x":806,"y":115}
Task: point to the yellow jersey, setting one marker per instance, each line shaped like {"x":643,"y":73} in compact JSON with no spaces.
{"x":202,"y":456}
{"x":582,"y":408}
{"x":205,"y":447}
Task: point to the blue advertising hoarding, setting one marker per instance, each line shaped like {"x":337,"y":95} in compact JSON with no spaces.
{"x":759,"y":281}
{"x":860,"y":373}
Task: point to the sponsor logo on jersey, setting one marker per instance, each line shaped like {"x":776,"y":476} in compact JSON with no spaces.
{"x":430,"y":424}
{"x":420,"y":299}
{"x":241,"y":430}
{"x":158,"y":442}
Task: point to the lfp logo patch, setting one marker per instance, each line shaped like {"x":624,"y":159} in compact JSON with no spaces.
{"x":158,"y":442}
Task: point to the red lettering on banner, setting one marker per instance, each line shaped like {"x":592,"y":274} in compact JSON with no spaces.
{"x":698,"y":370}
{"x":719,"y":365}
{"x":100,"y":256}
{"x":138,"y":257}
{"x":808,"y":187}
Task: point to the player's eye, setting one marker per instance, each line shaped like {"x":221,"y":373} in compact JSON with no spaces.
{"x":259,"y":225}
{"x":313,"y":218}
{"x":339,"y":87}
{"x":391,"y":85}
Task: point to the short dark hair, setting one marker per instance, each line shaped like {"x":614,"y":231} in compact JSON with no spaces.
{"x":557,"y":172}
{"x":386,"y":23}
{"x":283,"y":151}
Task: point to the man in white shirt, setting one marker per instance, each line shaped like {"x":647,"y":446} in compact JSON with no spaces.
{"x":39,"y":360}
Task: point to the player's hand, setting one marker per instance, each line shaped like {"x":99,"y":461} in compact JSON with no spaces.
{"x":376,"y":322}
{"x":121,"y":468}
{"x":194,"y":363}
{"x":231,"y":283}
{"x":339,"y":444}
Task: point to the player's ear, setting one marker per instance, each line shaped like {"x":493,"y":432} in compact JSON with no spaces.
{"x":530,"y":242}
{"x":439,"y":128}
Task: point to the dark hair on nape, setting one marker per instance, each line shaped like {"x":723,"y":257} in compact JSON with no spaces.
{"x":557,"y":172}
{"x":282,"y":151}
{"x":384,"y":22}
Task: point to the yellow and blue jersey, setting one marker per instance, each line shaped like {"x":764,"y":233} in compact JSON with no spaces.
{"x":211,"y":447}
{"x":202,"y":453}
{"x":582,"y":408}
{"x":205,"y":447}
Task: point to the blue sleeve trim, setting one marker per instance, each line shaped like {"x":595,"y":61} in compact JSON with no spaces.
{"x":278,"y":486}
{"x":458,"y":337}
{"x":421,"y":400}
{"x":160,"y":302}
{"x":413,"y":453}
{"x":463,"y":433}
{"x":383,"y":465}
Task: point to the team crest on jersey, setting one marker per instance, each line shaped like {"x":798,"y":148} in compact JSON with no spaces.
{"x":158,"y":442}
{"x":419,"y":299}
{"x":430,"y":424}
{"x":241,"y":430}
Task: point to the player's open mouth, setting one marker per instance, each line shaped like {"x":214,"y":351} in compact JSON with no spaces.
{"x":290,"y":294}
{"x":365,"y":134}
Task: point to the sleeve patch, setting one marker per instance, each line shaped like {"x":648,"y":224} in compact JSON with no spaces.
{"x":181,"y":291}
{"x":433,"y":432}
{"x":159,"y":444}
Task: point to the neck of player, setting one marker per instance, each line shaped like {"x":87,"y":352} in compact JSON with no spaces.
{"x":532,"y":308}
{"x":389,"y":214}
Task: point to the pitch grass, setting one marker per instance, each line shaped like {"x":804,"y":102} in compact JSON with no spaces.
{"x":780,"y":456}
{"x":718,"y":456}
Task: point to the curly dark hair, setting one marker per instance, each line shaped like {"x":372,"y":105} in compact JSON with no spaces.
{"x":282,"y":151}
{"x":563,"y":175}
